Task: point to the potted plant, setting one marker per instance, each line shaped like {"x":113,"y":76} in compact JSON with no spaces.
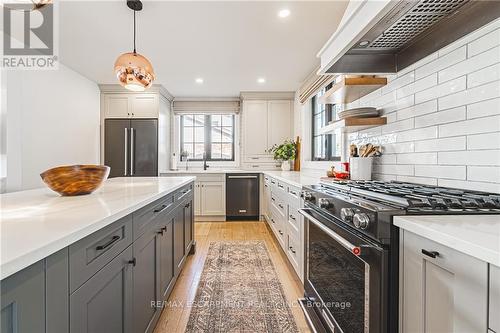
{"x":284,"y":152}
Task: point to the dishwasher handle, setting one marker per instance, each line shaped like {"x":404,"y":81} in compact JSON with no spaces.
{"x":242,"y":177}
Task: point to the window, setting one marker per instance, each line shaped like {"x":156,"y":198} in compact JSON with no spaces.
{"x":325,"y":147}
{"x":210,"y":134}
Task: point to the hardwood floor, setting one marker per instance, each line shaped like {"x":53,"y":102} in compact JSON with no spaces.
{"x":175,"y":316}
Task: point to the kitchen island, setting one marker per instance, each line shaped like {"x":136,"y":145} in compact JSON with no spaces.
{"x":91,"y":262}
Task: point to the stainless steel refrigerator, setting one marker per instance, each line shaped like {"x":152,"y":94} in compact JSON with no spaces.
{"x":131,"y":147}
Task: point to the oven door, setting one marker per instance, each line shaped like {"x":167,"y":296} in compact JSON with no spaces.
{"x":346,"y":277}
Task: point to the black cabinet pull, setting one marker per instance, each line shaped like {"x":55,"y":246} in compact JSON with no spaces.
{"x":280,"y":186}
{"x":187,"y":205}
{"x":162,"y":230}
{"x":157,"y":210}
{"x":292,"y":250}
{"x":432,"y":254}
{"x":292,"y":217}
{"x":132,"y":262}
{"x":108,"y":244}
{"x":272,"y":220}
{"x":280,"y":205}
{"x":273,"y":199}
{"x":281,"y":232}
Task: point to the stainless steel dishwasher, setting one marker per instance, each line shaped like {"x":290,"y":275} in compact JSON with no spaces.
{"x":242,"y":196}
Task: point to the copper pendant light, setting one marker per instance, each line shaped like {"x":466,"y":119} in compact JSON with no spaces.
{"x":134,"y":71}
{"x":34,"y":4}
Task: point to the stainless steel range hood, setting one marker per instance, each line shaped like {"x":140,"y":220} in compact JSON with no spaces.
{"x":412,"y":30}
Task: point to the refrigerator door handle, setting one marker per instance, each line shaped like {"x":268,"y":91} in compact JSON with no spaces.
{"x":132,"y":151}
{"x":126,"y":151}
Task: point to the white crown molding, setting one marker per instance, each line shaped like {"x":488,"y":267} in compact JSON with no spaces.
{"x":118,"y":89}
{"x":267,"y":95}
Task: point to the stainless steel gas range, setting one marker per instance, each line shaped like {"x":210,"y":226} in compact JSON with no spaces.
{"x":351,"y":282}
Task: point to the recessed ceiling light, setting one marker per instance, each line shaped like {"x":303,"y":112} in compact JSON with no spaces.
{"x":261,"y":80}
{"x":284,"y":13}
{"x":199,"y":80}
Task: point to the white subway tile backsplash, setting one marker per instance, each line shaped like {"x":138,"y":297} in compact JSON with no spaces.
{"x":417,"y":86}
{"x":483,"y":141}
{"x":404,"y":170}
{"x":418,"y":180}
{"x":446,"y":144}
{"x":485,"y":75}
{"x":441,"y":171}
{"x":469,"y":96}
{"x":473,"y":126}
{"x":486,"y":108}
{"x":417,"y":158}
{"x":469,"y":185}
{"x":418,"y":134}
{"x":441,"y":62}
{"x":470,"y":65}
{"x":418,"y":110}
{"x":470,"y":157}
{"x":483,"y":174}
{"x":484,"y":43}
{"x":442,"y":117}
{"x":398,"y":126}
{"x":443,"y":89}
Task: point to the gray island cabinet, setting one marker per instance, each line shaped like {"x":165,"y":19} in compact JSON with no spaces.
{"x":110,"y":281}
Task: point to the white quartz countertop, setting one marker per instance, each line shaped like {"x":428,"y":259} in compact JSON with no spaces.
{"x":37,"y":223}
{"x":475,"y":235}
{"x":295,"y":178}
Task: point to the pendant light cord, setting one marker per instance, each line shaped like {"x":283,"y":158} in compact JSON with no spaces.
{"x":134,"y":32}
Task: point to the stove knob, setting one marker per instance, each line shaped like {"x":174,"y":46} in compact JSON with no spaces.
{"x":324,"y":203}
{"x":346,"y":214}
{"x":307,"y":196}
{"x":361,"y":221}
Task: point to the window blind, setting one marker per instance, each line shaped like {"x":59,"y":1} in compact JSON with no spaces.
{"x":313,"y":84}
{"x":208,"y":106}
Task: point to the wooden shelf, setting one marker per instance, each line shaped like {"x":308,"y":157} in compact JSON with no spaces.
{"x":350,"y":89}
{"x":350,"y":125}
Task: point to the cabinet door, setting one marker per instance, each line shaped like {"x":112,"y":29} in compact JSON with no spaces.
{"x":213,"y":199}
{"x":188,"y":225}
{"x":166,"y":258}
{"x":144,"y":105}
{"x":104,"y":302}
{"x":197,"y":198}
{"x":146,"y":281}
{"x":279,"y":122}
{"x":494,"y":298}
{"x":255,"y":124}
{"x":447,"y":293}
{"x":178,"y":239}
{"x":117,"y":106}
{"x":23,"y":301}
{"x":117,"y":146}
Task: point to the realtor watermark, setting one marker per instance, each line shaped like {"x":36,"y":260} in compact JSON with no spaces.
{"x":29,"y":36}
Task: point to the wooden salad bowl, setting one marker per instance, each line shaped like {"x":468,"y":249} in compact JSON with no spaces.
{"x":73,"y":180}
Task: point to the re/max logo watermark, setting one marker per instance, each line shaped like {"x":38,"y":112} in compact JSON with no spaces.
{"x":29,"y":38}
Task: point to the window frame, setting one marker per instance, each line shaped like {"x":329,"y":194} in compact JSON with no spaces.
{"x":208,"y":137}
{"x":327,"y":137}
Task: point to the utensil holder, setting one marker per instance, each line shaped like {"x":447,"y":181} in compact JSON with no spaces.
{"x":361,"y":168}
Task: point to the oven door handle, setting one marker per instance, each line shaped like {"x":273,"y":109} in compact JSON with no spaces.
{"x":342,"y":241}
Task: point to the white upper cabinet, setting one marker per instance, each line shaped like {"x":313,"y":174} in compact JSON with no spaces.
{"x":131,"y":105}
{"x":265,"y":123}
{"x":279,"y":122}
{"x":117,"y":106}
{"x":255,"y":127}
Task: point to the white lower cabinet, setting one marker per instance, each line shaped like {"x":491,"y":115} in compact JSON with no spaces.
{"x":213,"y":199}
{"x":494,"y":299}
{"x":443,"y":290}
{"x":280,"y":209}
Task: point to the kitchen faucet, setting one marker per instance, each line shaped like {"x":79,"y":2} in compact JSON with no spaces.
{"x":205,"y":165}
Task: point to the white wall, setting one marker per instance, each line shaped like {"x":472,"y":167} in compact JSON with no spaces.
{"x":443,"y":117}
{"x":51,"y":119}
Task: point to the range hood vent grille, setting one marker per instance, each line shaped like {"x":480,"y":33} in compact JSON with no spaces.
{"x":416,"y":21}
{"x":412,"y":30}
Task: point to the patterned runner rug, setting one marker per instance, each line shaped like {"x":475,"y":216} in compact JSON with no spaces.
{"x":239,"y":291}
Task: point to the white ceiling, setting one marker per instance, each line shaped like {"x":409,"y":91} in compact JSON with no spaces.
{"x":228,"y":44}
